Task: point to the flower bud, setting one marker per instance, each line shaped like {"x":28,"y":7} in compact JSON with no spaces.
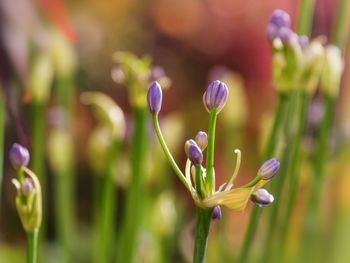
{"x":303,"y":41}
{"x":154,"y":98}
{"x":262,"y":197}
{"x":188,"y":143}
{"x":332,"y":71}
{"x":195,"y":154}
{"x":215,"y":96}
{"x":201,"y":140}
{"x":216,"y":213}
{"x":19,"y":156}
{"x":280,"y":18}
{"x":269,"y":169}
{"x":287,"y":36}
{"x":27,"y":186}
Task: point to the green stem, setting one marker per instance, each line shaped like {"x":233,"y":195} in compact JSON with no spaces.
{"x":38,"y":153}
{"x":202,"y":231}
{"x":2,"y":135}
{"x":342,"y":23}
{"x":133,"y":213}
{"x":65,"y":178}
{"x":322,"y":153}
{"x":296,"y":167}
{"x":107,"y":207}
{"x":210,"y":177}
{"x":306,"y":12}
{"x":32,"y":246}
{"x":270,"y":149}
{"x":167,"y":152}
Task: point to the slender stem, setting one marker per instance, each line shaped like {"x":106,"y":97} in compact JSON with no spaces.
{"x":38,"y":153}
{"x":65,"y":178}
{"x":270,"y":149}
{"x":296,"y":167}
{"x":322,"y":153}
{"x":210,"y":177}
{"x":306,"y":12}
{"x":167,"y":152}
{"x":2,"y":135}
{"x":105,"y":218}
{"x":133,"y":212}
{"x":32,"y":246}
{"x":342,"y":23}
{"x":202,"y":231}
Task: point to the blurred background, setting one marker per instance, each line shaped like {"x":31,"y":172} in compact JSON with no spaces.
{"x":194,"y":42}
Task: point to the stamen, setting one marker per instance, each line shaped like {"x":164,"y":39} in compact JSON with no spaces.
{"x":238,"y":164}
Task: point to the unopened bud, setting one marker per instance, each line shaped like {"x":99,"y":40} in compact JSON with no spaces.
{"x":269,"y":169}
{"x":216,"y":213}
{"x":154,"y":98}
{"x":215,"y":96}
{"x":262,"y":197}
{"x":19,"y":156}
{"x":201,"y":140}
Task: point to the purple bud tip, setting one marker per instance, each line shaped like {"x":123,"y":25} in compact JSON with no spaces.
{"x":201,"y":140}
{"x":262,"y":197}
{"x":188,"y":143}
{"x":287,"y":36}
{"x":194,"y":153}
{"x":272,"y":32}
{"x":19,"y":155}
{"x":154,"y":98}
{"x":215,"y":96}
{"x":269,"y":169}
{"x":27,"y":186}
{"x":216,"y":213}
{"x":303,"y":41}
{"x":280,"y":18}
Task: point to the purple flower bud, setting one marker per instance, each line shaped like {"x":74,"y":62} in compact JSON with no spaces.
{"x":216,"y":213}
{"x":272,"y":32}
{"x":261,"y":197}
{"x":269,"y":169}
{"x":194,"y":153}
{"x":19,"y":155}
{"x":280,"y":18}
{"x":188,"y":143}
{"x":287,"y":36}
{"x":215,"y":96}
{"x":303,"y":41}
{"x":27,"y":186}
{"x":154,"y":98}
{"x":201,"y":140}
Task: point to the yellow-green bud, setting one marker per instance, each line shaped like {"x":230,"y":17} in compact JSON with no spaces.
{"x":41,"y":77}
{"x":332,"y":71}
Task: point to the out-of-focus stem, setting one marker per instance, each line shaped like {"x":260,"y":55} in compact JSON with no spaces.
{"x":341,"y":27}
{"x":133,"y":209}
{"x":306,"y":13}
{"x":104,"y":219}
{"x":202,"y":231}
{"x":270,"y":149}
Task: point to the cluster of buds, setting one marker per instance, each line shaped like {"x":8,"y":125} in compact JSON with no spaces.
{"x":298,"y":62}
{"x":136,"y":74}
{"x":196,"y":177}
{"x":29,"y":198}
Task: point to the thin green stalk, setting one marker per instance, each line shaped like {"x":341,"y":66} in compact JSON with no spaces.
{"x":306,"y":13}
{"x":107,"y":207}
{"x":38,"y":153}
{"x":270,"y":149}
{"x":2,"y":135}
{"x":202,"y":231}
{"x":135,"y":193}
{"x":167,"y":152}
{"x":342,"y":23}
{"x":288,"y":156}
{"x":322,"y":153}
{"x":296,"y":164}
{"x":210,"y":177}
{"x":32,"y":246}
{"x":65,"y":178}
